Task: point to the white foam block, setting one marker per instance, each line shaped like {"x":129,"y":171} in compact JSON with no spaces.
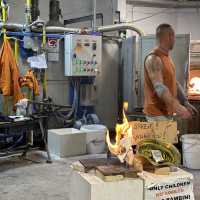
{"x":86,"y":186}
{"x":66,"y":142}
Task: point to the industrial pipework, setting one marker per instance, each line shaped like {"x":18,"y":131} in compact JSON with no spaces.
{"x":54,"y":14}
{"x":54,"y":25}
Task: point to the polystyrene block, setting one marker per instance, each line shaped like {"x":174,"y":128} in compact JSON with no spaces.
{"x":86,"y":186}
{"x":66,"y":142}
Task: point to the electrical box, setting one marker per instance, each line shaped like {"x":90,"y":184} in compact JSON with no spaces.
{"x":83,"y":55}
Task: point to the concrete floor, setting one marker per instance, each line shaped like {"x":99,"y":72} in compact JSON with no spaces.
{"x":28,"y":180}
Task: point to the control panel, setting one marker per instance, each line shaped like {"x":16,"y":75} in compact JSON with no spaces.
{"x":83,"y":55}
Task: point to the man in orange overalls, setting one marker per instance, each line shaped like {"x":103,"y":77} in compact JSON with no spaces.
{"x":164,"y":96}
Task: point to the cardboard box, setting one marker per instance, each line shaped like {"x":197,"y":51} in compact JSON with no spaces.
{"x":175,"y":186}
{"x":164,"y":130}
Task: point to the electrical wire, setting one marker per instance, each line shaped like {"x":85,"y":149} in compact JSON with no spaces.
{"x":148,"y":17}
{"x":163,"y":11}
{"x":111,"y":6}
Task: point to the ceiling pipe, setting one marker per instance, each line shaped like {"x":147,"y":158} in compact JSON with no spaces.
{"x":118,"y":27}
{"x":49,"y":29}
{"x":164,"y":3}
{"x":58,"y":29}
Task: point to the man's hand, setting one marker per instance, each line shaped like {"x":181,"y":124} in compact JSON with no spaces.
{"x":183,"y":112}
{"x":191,"y":108}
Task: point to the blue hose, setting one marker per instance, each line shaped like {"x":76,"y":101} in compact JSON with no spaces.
{"x":21,"y":34}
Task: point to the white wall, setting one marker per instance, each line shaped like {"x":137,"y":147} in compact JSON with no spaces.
{"x":140,"y":17}
{"x":183,"y":20}
{"x":189,"y":21}
{"x":70,"y":9}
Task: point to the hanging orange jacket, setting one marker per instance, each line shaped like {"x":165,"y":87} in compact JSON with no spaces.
{"x":9,"y":73}
{"x":30,"y":81}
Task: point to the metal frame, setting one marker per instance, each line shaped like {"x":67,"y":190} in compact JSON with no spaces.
{"x":26,"y":125}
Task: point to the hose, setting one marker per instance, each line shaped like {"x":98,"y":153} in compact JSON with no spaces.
{"x":71,"y":116}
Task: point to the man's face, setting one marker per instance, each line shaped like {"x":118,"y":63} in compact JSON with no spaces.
{"x":168,"y":39}
{"x":171,"y":39}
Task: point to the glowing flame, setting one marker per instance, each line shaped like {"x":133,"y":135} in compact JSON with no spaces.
{"x":123,"y":132}
{"x":194,"y":85}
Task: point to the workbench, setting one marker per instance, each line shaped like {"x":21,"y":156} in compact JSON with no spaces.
{"x":32,"y":124}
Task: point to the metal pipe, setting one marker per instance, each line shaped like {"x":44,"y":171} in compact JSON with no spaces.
{"x":57,"y":29}
{"x":12,"y":26}
{"x":117,"y":27}
{"x":37,"y":23}
{"x":94,"y":15}
{"x":164,"y":3}
{"x":49,"y":29}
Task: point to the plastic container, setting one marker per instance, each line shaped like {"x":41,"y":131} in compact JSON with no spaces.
{"x":95,"y":138}
{"x":191,"y":149}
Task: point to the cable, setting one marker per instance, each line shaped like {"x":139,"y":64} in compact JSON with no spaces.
{"x":74,"y":109}
{"x":150,"y":16}
{"x":111,"y":6}
{"x":71,"y":116}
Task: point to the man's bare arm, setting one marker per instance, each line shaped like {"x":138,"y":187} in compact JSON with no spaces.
{"x":154,"y":68}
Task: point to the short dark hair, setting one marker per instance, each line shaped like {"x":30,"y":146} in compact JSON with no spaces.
{"x":162,"y":28}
